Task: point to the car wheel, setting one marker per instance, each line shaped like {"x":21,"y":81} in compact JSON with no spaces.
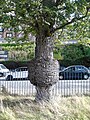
{"x":9,"y":77}
{"x":86,"y":76}
{"x":60,"y":77}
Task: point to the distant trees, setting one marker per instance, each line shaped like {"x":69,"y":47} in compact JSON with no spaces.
{"x":75,"y":51}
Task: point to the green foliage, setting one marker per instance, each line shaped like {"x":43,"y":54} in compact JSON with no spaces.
{"x":17,"y":52}
{"x":37,"y":15}
{"x":46,"y":17}
{"x":26,"y":51}
{"x":75,"y":51}
{"x":71,"y":52}
{"x":57,"y":50}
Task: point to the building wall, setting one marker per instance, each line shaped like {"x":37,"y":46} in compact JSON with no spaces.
{"x":3,"y":34}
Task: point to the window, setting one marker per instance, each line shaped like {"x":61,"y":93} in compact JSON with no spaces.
{"x":10,"y":29}
{"x":9,"y":35}
{"x":0,"y":35}
{"x":71,"y":69}
{"x":1,"y":29}
{"x":21,"y":69}
{"x":83,"y":69}
{"x":3,"y":67}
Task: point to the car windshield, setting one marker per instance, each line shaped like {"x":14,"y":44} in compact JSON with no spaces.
{"x":69,"y":69}
{"x":3,"y":67}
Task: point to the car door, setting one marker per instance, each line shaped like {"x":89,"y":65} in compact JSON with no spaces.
{"x":21,"y":73}
{"x":69,"y":73}
{"x":24,"y":73}
{"x":16,"y":73}
{"x":78,"y":72}
{"x":2,"y":77}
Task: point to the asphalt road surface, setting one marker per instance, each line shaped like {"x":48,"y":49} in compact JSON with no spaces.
{"x":63,"y":87}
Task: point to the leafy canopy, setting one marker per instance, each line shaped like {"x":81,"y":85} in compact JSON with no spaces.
{"x":42,"y":16}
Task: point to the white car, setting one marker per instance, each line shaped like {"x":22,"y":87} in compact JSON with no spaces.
{"x":4,"y":73}
{"x":3,"y":69}
{"x":19,"y":73}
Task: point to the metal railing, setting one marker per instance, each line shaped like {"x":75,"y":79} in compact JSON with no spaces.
{"x":64,"y":87}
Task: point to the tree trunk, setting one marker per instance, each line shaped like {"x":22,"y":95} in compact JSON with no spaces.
{"x":44,"y":70}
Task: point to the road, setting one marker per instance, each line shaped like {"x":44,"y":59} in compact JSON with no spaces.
{"x":63,"y":87}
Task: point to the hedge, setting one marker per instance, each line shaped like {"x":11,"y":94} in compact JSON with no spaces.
{"x":15,"y":64}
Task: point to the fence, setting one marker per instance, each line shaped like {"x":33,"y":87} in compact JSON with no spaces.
{"x":20,"y":85}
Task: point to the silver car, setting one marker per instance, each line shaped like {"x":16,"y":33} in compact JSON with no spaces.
{"x":19,"y":73}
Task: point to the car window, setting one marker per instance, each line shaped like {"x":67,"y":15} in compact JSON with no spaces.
{"x":21,"y":69}
{"x":71,"y":69}
{"x":78,"y":69}
{"x":83,"y":69}
{"x":18,"y":70}
{"x":25,"y":69}
{"x":3,"y":67}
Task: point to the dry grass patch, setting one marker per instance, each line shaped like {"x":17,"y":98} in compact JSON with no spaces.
{"x":24,"y":108}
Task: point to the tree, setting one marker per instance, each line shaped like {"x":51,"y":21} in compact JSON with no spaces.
{"x":42,"y":18}
{"x":75,"y":52}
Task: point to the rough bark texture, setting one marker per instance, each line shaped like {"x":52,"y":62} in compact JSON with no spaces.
{"x":43,"y":93}
{"x":44,"y":70}
{"x":43,"y":73}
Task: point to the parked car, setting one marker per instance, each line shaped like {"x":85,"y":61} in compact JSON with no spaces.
{"x":74,"y":72}
{"x":4,"y":73}
{"x":19,"y":73}
{"x":1,"y":74}
{"x":3,"y":69}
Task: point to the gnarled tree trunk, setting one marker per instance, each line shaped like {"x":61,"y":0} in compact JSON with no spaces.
{"x":44,"y":70}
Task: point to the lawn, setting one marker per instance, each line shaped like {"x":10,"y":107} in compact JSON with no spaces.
{"x":25,"y":108}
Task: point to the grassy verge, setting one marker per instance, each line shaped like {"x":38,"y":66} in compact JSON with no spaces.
{"x":21,"y":108}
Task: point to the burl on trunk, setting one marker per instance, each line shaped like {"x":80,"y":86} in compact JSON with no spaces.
{"x":44,"y":70}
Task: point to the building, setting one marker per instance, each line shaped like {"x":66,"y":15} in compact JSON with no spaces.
{"x":69,"y":42}
{"x":6,"y":33}
{"x":3,"y":54}
{"x":10,"y":33}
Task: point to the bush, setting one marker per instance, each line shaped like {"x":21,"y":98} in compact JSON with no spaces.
{"x":81,"y":61}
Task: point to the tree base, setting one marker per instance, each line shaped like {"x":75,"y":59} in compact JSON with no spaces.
{"x":43,"y":94}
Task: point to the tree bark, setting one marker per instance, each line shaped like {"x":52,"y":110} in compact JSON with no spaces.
{"x":44,"y":70}
{"x":43,"y":93}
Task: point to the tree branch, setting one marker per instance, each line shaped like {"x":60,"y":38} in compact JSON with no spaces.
{"x":73,"y":20}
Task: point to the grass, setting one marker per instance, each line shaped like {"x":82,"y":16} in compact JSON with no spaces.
{"x":24,"y":108}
